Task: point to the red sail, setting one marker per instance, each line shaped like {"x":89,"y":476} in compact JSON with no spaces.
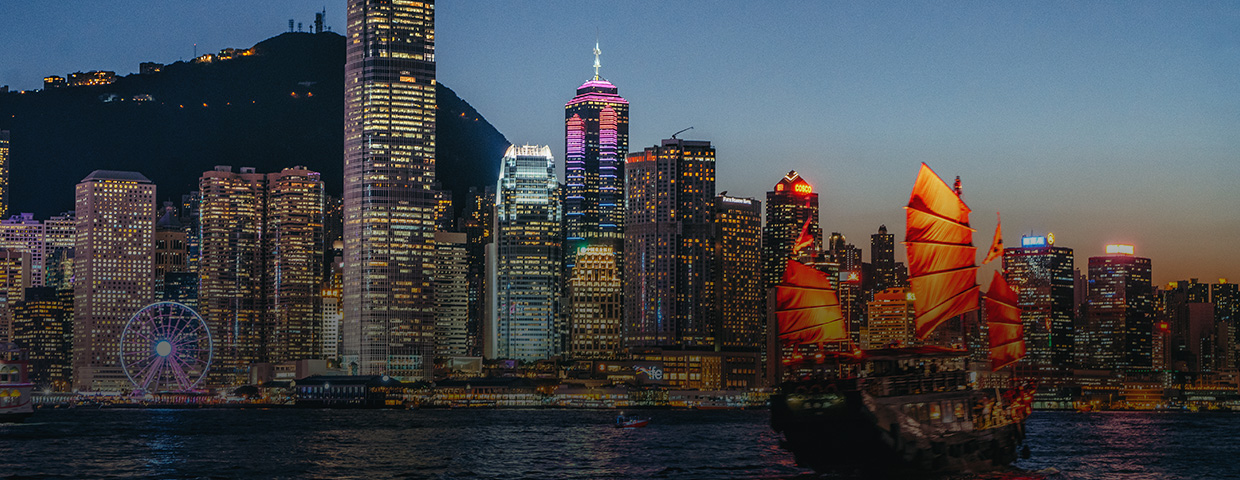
{"x":807,"y":308}
{"x":1007,"y":333}
{"x":941,"y":256}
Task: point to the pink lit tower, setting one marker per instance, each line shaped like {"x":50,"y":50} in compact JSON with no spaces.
{"x":596,"y":139}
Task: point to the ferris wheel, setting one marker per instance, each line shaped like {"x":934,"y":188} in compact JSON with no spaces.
{"x":165,"y":347}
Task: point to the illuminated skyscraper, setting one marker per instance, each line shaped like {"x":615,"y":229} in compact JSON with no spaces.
{"x":113,"y":270}
{"x":43,"y":325}
{"x":883,"y":258}
{"x":451,"y":294}
{"x":529,"y":246}
{"x":59,"y":238}
{"x":668,"y":296}
{"x":230,"y":296}
{"x":740,"y":301}
{"x":171,"y":254}
{"x":597,"y":327}
{"x":596,"y":140}
{"x":1226,"y":299}
{"x":479,"y":226}
{"x":389,"y":204}
{"x":1041,"y":274}
{"x":1120,"y":310}
{"x":4,"y":172}
{"x":261,"y":267}
{"x":787,"y":207}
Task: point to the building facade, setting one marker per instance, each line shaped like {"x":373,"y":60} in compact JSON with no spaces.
{"x":883,"y":259}
{"x":668,"y":283}
{"x":740,"y":300}
{"x":890,"y":319}
{"x":1120,"y":310}
{"x":451,"y":294}
{"x":112,"y":270}
{"x":389,"y":204}
{"x":1041,"y":274}
{"x":43,"y":325}
{"x":529,"y":256}
{"x":596,"y":325}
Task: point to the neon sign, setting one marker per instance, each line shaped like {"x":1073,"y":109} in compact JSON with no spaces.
{"x":654,"y":372}
{"x":1120,"y":249}
{"x":803,"y":188}
{"x":1033,"y":241}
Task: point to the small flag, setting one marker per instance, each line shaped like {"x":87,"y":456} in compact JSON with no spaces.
{"x":805,"y":240}
{"x":996,"y":248}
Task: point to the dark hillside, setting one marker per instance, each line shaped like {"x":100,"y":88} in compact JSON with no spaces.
{"x":281,"y":107}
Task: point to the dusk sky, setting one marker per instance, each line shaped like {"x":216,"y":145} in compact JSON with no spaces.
{"x":1103,"y":122}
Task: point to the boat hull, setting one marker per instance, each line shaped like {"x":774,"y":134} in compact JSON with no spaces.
{"x":16,"y":402}
{"x":848,"y":431}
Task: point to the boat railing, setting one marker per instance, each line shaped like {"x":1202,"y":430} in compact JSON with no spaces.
{"x":912,"y":384}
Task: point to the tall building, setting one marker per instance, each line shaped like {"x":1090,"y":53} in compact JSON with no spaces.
{"x":389,"y":205}
{"x":15,"y":275}
{"x":1120,"y":310}
{"x":668,"y":296}
{"x":596,"y":140}
{"x":883,"y":258}
{"x":479,"y":227}
{"x":890,"y":319}
{"x":43,"y":325}
{"x":5,"y":163}
{"x":529,"y":246}
{"x":262,"y":257}
{"x":231,"y":293}
{"x":597,"y":327}
{"x":1041,"y":274}
{"x":740,"y":301}
{"x":1226,"y":299}
{"x":451,"y":294}
{"x":112,"y":271}
{"x":293,"y":256}
{"x":788,"y":206}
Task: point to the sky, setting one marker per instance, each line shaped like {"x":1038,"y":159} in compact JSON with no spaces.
{"x":1102,"y":122}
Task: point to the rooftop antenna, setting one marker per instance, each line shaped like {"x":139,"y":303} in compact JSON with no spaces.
{"x":195,"y":50}
{"x":680,"y":132}
{"x":596,"y":54}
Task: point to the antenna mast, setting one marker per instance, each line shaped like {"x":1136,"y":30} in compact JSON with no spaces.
{"x":680,"y":132}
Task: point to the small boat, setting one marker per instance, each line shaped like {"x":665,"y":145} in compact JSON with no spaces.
{"x":15,"y":386}
{"x":627,"y":422}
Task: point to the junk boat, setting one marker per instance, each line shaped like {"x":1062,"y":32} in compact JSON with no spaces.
{"x":918,"y":409}
{"x":15,"y":386}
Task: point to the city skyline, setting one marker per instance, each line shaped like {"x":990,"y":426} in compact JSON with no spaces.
{"x":1042,"y":110}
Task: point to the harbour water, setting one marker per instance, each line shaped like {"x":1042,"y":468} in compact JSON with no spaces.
{"x":548,"y":444}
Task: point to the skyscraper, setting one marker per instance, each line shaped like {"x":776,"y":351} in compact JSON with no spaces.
{"x":4,"y":172}
{"x":389,"y":204}
{"x":293,"y":257}
{"x":883,"y":257}
{"x":670,"y":190}
{"x":1041,"y":274}
{"x":43,"y":325}
{"x":529,"y":246}
{"x":740,"y":301}
{"x":113,"y":270}
{"x":59,"y":238}
{"x":15,"y":275}
{"x":231,"y":293}
{"x":262,"y":257}
{"x":596,"y":140}
{"x":479,"y":227}
{"x":788,"y":206}
{"x":597,"y":328}
{"x":24,"y":233}
{"x":451,"y":294}
{"x":1120,"y":310}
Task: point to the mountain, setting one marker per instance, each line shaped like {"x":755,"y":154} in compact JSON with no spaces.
{"x":280,"y":107}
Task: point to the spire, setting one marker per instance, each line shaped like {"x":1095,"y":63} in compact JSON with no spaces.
{"x":596,"y":64}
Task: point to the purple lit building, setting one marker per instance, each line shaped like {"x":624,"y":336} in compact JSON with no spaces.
{"x":596,"y":139}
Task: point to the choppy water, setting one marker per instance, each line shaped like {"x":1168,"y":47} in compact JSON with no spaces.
{"x":540,"y":444}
